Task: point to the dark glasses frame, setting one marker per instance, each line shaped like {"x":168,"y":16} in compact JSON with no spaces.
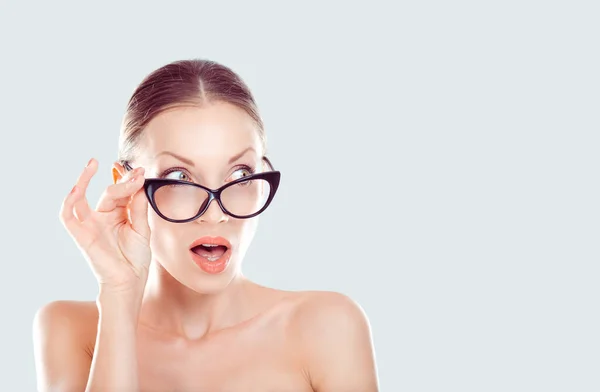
{"x":151,"y":185}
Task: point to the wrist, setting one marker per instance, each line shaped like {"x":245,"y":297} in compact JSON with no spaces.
{"x":119,"y":300}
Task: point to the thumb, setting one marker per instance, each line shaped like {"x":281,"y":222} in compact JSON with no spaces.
{"x":138,"y":214}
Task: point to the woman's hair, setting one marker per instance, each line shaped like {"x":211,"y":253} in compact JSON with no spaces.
{"x":183,"y":82}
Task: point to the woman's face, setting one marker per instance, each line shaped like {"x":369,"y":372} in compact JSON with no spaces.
{"x":209,"y":145}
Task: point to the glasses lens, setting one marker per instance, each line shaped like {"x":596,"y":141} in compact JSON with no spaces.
{"x":246,"y":198}
{"x":180,"y":201}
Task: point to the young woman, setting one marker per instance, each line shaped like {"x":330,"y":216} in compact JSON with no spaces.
{"x":166,"y":242}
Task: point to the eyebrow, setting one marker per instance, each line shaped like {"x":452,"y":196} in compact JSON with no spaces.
{"x":238,"y":156}
{"x":182,"y":159}
{"x":191,"y":163}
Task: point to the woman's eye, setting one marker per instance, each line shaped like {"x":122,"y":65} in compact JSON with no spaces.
{"x":177,"y":175}
{"x":244,"y":172}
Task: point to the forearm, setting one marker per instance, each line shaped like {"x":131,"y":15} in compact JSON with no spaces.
{"x":114,"y":364}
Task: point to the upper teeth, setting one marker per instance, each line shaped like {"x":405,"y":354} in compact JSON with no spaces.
{"x":209,"y":245}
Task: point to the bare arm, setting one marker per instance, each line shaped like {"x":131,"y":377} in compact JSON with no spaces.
{"x":114,"y":365}
{"x":114,"y":239}
{"x":337,"y":344}
{"x":64,"y":362}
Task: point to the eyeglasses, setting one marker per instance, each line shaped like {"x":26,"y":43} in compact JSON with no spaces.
{"x":181,"y":201}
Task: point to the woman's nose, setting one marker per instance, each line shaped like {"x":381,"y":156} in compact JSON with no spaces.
{"x":214,"y":213}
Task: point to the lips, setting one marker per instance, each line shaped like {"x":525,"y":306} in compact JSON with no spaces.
{"x":211,"y":254}
{"x":210,"y":244}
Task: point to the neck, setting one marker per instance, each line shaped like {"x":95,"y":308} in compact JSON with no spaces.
{"x":171,"y":308}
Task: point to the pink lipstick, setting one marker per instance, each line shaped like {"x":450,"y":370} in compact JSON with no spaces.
{"x":211,"y":254}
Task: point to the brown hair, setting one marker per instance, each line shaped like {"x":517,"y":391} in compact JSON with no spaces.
{"x":182,"y":82}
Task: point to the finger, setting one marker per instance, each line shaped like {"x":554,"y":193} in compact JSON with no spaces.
{"x":81,"y":206}
{"x":70,"y":220}
{"x":138,"y":214}
{"x":118,"y":195}
{"x":67,"y":217}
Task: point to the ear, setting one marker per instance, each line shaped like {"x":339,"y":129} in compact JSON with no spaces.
{"x":118,"y":171}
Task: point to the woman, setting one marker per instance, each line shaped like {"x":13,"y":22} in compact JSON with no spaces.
{"x":166,"y":242}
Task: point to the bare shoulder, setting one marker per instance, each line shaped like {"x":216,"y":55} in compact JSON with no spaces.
{"x":334,"y":336}
{"x":72,"y":316}
{"x":328,"y":304}
{"x":63,"y":342}
{"x":310,"y":309}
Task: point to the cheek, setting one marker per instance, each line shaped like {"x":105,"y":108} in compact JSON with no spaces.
{"x":247,"y":232}
{"x":164,"y":236}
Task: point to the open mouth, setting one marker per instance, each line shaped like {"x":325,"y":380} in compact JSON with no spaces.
{"x":211,"y":252}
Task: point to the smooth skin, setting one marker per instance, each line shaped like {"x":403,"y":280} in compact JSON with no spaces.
{"x":160,"y":323}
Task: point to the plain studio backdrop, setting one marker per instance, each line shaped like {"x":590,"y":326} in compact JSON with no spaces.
{"x":439,"y":165}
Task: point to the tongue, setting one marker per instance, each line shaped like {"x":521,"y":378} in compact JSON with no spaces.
{"x":214,"y":251}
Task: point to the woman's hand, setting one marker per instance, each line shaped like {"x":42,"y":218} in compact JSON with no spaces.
{"x":114,"y":237}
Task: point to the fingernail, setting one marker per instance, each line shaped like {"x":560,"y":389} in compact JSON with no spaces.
{"x":133,"y":179}
{"x":74,"y":189}
{"x":89,"y":162}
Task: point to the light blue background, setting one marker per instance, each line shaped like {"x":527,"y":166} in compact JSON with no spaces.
{"x":454,"y":144}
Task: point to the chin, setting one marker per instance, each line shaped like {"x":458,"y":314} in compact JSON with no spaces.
{"x":204,"y":283}
{"x":196,"y":279}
